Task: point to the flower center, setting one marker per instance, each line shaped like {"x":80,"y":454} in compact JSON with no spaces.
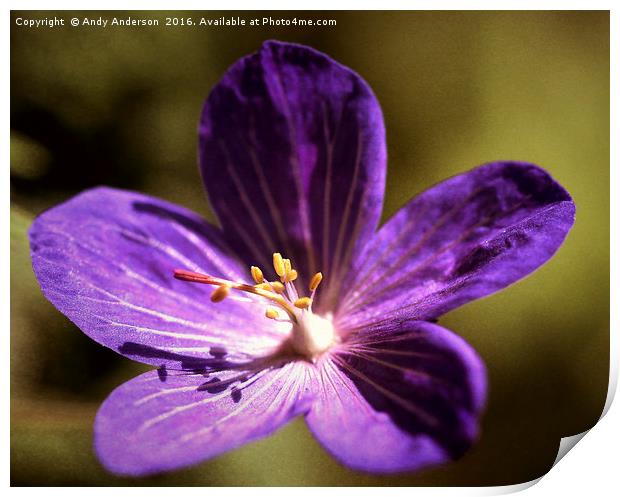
{"x":311,"y":334}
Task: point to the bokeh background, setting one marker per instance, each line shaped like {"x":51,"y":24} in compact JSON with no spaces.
{"x":119,"y":106}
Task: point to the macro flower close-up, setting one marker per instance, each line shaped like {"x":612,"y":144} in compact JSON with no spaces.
{"x":298,"y":303}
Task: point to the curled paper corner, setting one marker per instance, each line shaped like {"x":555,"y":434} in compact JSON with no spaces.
{"x":566,"y":444}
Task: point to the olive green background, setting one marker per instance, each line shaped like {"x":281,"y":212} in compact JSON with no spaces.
{"x":120,"y":106}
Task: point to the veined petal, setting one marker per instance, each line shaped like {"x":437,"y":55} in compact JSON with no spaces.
{"x":292,"y":152}
{"x":106,"y":258}
{"x":461,"y":240}
{"x":158,"y":422}
{"x":399,"y":397}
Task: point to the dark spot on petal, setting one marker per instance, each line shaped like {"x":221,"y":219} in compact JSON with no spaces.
{"x":169,"y":214}
{"x":484,"y":254}
{"x":193,"y":364}
{"x":218,"y":352}
{"x":516,"y":240}
{"x":193,"y":369}
{"x":530,"y":180}
{"x":235,"y":393}
{"x":214,"y":385}
{"x":162,"y":372}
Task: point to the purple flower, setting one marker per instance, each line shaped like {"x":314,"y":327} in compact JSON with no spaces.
{"x":292,"y":153}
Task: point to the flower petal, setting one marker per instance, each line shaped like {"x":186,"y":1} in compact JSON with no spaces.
{"x":292,"y":151}
{"x":106,"y":259}
{"x":461,"y":240}
{"x":399,"y":397}
{"x":158,"y":422}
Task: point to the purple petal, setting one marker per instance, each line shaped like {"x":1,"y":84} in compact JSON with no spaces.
{"x":399,"y":397}
{"x":461,"y":240}
{"x":161,"y":422}
{"x":106,"y":259}
{"x":292,"y":151}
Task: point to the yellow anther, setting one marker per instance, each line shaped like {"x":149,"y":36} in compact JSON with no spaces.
{"x":291,"y":275}
{"x":303,"y":303}
{"x":278,"y":264}
{"x":316,"y":281}
{"x":277,"y":287}
{"x":220,"y":293}
{"x":272,"y":313}
{"x":257,"y":274}
{"x":263,"y":286}
{"x":287,"y":269}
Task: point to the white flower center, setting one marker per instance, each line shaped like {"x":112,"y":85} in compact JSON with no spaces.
{"x":312,"y":335}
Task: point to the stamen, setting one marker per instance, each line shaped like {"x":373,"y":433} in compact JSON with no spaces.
{"x":220,"y":293}
{"x":287,"y":271}
{"x":272,"y":313}
{"x":315,"y":281}
{"x":303,"y":303}
{"x":278,"y":264}
{"x":277,"y":286}
{"x":257,"y":274}
{"x":184,"y":275}
{"x":310,"y":334}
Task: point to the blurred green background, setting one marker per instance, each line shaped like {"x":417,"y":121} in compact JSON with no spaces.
{"x":120,"y":106}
